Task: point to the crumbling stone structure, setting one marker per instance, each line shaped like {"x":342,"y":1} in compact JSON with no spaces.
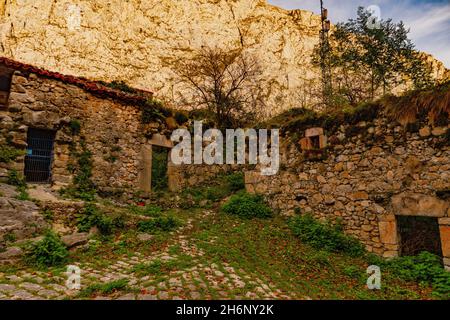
{"x":38,"y":105}
{"x":370,"y":174}
{"x":64,"y":111}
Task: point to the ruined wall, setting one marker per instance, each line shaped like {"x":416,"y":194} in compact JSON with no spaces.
{"x":371,"y":172}
{"x":112,"y":130}
{"x":192,"y":175}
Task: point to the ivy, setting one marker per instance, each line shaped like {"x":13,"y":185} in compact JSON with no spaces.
{"x":16,"y":179}
{"x":119,"y":85}
{"x":154,"y":110}
{"x":82,"y":186}
{"x":75,"y":127}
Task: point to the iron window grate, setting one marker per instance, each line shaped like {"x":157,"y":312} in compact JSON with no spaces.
{"x":38,"y":160}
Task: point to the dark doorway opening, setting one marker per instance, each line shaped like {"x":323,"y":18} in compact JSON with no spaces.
{"x":38,"y":160}
{"x":419,"y":234}
{"x":160,"y":159}
{"x":315,"y":142}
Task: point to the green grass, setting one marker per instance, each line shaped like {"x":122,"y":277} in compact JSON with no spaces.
{"x":149,"y":210}
{"x":211,"y":192}
{"x":159,"y":224}
{"x":268,"y":249}
{"x":265,"y":249}
{"x":325,"y":235}
{"x":104,"y":288}
{"x":160,"y":268}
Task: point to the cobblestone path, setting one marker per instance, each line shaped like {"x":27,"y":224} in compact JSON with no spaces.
{"x":200,"y":280}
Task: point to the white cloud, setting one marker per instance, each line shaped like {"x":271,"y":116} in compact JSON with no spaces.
{"x":429,"y":21}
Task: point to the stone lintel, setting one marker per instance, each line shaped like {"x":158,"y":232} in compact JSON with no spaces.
{"x":161,"y":140}
{"x":415,"y":204}
{"x":313,"y":132}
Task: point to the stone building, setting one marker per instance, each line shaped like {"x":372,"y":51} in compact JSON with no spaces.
{"x":56,"y":118}
{"x":389,"y":185}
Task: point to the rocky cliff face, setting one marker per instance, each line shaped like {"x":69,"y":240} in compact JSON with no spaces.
{"x":136,"y":40}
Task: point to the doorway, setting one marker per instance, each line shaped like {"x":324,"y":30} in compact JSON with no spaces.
{"x":39,"y":156}
{"x":419,"y":234}
{"x":160,"y":160}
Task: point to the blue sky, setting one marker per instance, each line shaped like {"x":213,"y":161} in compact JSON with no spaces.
{"x":429,"y":21}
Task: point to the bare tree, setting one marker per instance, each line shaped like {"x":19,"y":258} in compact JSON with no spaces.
{"x":225,"y":83}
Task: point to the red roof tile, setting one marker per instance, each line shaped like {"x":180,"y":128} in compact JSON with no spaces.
{"x":96,"y":88}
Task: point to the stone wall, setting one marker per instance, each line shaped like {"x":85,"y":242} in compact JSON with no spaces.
{"x":112,"y":130}
{"x":120,"y":144}
{"x":187,"y":176}
{"x":368,"y":174}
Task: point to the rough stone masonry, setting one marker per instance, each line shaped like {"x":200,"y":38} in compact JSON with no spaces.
{"x":373,"y":172}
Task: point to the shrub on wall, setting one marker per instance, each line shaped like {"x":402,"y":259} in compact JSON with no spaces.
{"x":154,"y":110}
{"x":16,"y":179}
{"x":325,"y":236}
{"x":91,"y":216}
{"x":8,"y":153}
{"x":75,"y":127}
{"x":119,"y":85}
{"x":180,"y":117}
{"x":247,"y":206}
{"x":236,"y":181}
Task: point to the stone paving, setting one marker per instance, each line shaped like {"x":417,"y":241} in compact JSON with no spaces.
{"x":201,"y":280}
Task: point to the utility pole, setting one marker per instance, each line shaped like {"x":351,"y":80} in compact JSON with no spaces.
{"x":325,"y":56}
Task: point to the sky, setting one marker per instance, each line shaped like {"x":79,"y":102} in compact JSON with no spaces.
{"x":428,"y":21}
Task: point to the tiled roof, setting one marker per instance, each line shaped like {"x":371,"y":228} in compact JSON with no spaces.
{"x":96,"y":88}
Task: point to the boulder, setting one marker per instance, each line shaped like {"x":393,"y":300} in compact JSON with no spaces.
{"x":76,"y":239}
{"x":144,"y":237}
{"x":11,"y":253}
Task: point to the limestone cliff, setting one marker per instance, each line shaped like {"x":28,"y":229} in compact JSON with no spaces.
{"x":135,"y":40}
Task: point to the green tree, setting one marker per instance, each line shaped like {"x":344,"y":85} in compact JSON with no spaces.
{"x":367,"y":61}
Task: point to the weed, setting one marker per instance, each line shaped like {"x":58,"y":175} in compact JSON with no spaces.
{"x":159,"y":268}
{"x":425,"y":267}
{"x":48,"y":214}
{"x":352,"y":272}
{"x":148,"y":210}
{"x":247,"y":206}
{"x":50,"y":251}
{"x":236,"y":181}
{"x":8,"y":153}
{"x":159,"y":224}
{"x":9,"y":237}
{"x":91,"y":216}
{"x":104,"y":288}
{"x":75,"y":127}
{"x":16,"y":179}
{"x":325,"y":236}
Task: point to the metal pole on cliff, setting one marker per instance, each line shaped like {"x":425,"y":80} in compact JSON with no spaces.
{"x":324,"y":56}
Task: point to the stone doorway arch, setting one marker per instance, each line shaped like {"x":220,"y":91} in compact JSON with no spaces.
{"x":145,"y":168}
